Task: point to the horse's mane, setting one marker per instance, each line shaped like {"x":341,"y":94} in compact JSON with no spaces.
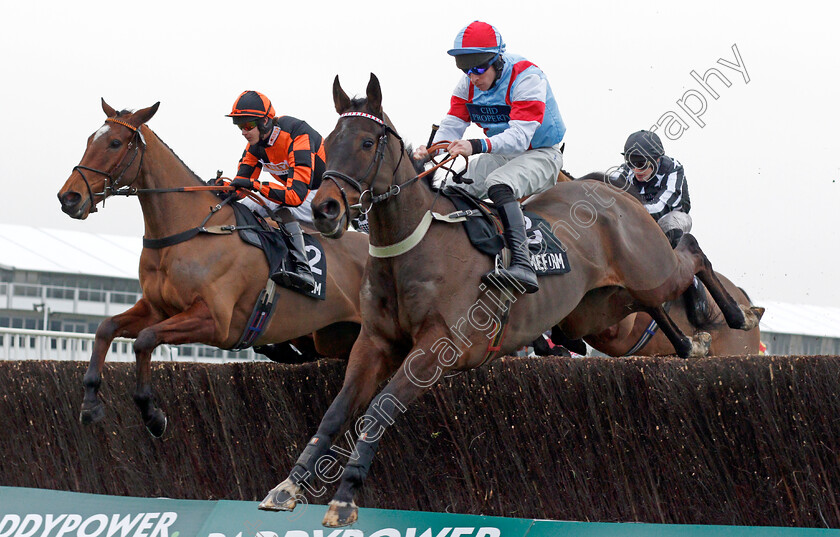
{"x":195,"y":175}
{"x":184,"y":164}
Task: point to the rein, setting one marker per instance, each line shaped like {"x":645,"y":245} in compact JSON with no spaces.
{"x":112,"y":188}
{"x":365,"y":189}
{"x":419,"y":232}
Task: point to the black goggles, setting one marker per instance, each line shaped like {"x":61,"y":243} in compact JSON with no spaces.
{"x":480,"y":69}
{"x":637,"y":161}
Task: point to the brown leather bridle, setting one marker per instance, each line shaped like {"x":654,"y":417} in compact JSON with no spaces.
{"x":112,"y":184}
{"x":364,"y":188}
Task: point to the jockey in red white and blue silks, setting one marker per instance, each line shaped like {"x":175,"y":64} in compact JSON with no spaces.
{"x":510,"y":98}
{"x":522,"y":123}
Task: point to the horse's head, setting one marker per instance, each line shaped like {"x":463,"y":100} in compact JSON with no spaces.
{"x":360,"y":163}
{"x":112,"y":160}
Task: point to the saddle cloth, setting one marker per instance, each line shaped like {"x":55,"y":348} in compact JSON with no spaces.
{"x":548,"y":255}
{"x":271,"y":241}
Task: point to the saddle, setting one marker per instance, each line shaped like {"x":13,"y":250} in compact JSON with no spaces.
{"x":255,"y":231}
{"x":484,"y":229}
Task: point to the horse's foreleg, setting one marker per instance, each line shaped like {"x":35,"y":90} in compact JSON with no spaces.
{"x":737,"y":316}
{"x":686,"y":347}
{"x":419,"y":372}
{"x":196,"y":324}
{"x":126,"y":324}
{"x":365,"y":370}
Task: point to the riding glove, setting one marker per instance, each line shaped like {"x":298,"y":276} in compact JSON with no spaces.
{"x":242,"y":183}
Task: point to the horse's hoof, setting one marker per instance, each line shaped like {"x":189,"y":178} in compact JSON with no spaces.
{"x":156,"y":425}
{"x":283,"y":497}
{"x":752,"y":316}
{"x":92,"y":414}
{"x":340,"y":514}
{"x":700,"y":344}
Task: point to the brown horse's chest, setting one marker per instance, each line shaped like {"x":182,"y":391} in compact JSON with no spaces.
{"x":397,"y":306}
{"x":159,"y":288}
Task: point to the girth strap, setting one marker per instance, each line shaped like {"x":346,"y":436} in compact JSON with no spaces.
{"x":494,"y":346}
{"x":649,"y":332}
{"x":260,"y":316}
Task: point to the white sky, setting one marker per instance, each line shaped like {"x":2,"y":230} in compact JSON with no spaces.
{"x":763,"y":172}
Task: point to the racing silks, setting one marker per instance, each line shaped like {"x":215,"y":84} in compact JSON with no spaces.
{"x":294,"y":156}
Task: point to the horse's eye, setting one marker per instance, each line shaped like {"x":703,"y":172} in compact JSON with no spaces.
{"x":367,"y":144}
{"x":115,"y":143}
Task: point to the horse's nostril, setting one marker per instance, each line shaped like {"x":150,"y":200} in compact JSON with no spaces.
{"x":328,"y":210}
{"x":69,"y":199}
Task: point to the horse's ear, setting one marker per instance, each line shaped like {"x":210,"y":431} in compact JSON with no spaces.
{"x":110,"y":112}
{"x":374,"y":95}
{"x":342,"y":101}
{"x":146,"y":114}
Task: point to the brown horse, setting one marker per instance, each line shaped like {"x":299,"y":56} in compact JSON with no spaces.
{"x":635,"y":335}
{"x":639,"y":335}
{"x":200,"y":290}
{"x":424,"y":310}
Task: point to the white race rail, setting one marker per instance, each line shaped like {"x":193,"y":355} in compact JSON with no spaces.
{"x":23,"y":344}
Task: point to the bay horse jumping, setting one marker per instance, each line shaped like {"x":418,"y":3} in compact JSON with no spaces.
{"x":639,"y":335}
{"x":201,"y":290}
{"x":425,"y":311}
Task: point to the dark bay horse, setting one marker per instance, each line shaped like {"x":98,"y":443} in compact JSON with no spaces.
{"x":632,"y":335}
{"x":201,"y":290}
{"x":626,"y":337}
{"x":425,"y":311}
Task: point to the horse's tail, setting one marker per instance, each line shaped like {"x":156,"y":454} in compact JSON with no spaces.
{"x":715,"y":320}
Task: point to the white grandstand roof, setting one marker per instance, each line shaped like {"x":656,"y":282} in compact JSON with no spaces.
{"x":806,"y":320}
{"x":69,"y":252}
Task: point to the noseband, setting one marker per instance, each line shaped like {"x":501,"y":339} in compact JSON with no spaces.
{"x":359,"y":184}
{"x":112,"y":185}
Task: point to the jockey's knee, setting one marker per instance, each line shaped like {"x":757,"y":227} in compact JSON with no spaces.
{"x":675,"y":220}
{"x":283,"y":214}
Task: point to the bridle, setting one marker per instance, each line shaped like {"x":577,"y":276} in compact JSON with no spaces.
{"x":113,"y":188}
{"x":364,"y":188}
{"x":112,"y":185}
{"x":375,"y":165}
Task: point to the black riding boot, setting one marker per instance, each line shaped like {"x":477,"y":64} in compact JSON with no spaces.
{"x":299,"y":274}
{"x":520,"y":268}
{"x":674,"y":236}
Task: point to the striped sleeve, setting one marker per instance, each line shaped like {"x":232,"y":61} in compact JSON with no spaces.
{"x":249,"y":168}
{"x":670,"y":197}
